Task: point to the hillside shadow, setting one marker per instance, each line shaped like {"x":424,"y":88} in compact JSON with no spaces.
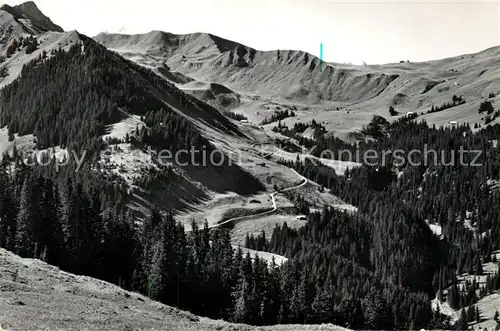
{"x":225,"y":178}
{"x":178,"y":194}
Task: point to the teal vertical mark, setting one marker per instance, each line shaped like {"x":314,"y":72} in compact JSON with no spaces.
{"x":321,"y":54}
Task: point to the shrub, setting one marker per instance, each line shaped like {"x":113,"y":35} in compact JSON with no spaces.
{"x":486,"y":106}
{"x":392,"y":111}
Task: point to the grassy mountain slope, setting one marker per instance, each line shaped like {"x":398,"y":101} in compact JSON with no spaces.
{"x":292,"y":74}
{"x":35,"y":295}
{"x":70,"y":89}
{"x":34,"y":20}
{"x":345,"y":96}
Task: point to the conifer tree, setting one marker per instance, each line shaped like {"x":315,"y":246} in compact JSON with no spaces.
{"x":478,"y":269}
{"x":242,"y":308}
{"x":157,"y":276}
{"x":322,"y":305}
{"x":25,"y":221}
{"x":463,"y":323}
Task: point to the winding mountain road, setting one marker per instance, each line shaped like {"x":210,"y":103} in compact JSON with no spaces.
{"x":267,"y":212}
{"x":304,"y":181}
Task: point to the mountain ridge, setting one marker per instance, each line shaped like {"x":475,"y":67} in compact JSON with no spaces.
{"x":29,"y":10}
{"x":288,"y":74}
{"x":206,"y":57}
{"x":216,"y":38}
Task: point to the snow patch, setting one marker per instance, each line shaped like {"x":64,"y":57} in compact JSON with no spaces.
{"x":278,"y":259}
{"x":125,"y":161}
{"x":22,"y":143}
{"x":339,"y":166}
{"x":121,"y":129}
{"x":444,"y":309}
{"x":436,"y":229}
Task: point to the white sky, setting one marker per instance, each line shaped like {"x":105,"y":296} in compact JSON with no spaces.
{"x":351,"y":31}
